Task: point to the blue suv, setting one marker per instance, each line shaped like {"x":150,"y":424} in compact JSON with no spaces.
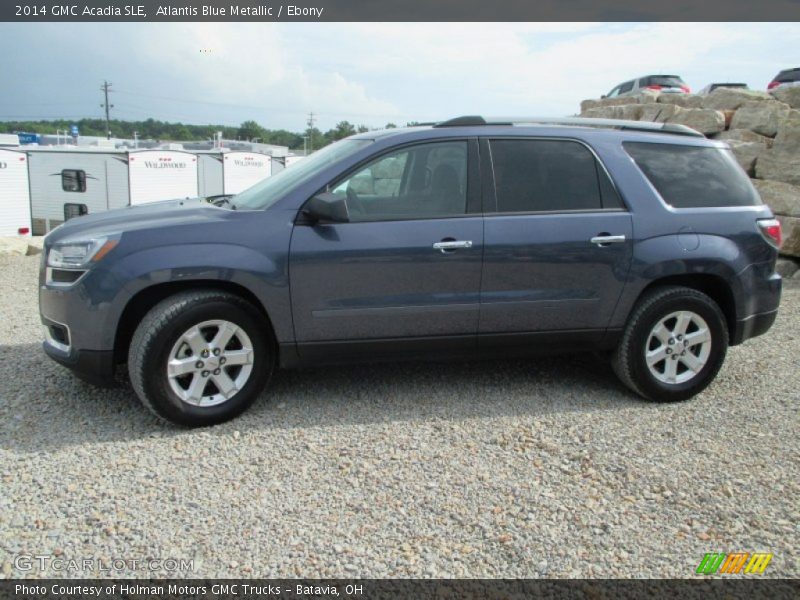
{"x":467,"y":237}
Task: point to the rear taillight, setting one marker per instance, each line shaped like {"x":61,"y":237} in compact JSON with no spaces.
{"x":654,"y":87}
{"x":24,"y":230}
{"x":771,"y":230}
{"x":686,"y":89}
{"x":773,"y":84}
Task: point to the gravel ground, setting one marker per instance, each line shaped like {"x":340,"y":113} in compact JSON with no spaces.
{"x":494,"y":469}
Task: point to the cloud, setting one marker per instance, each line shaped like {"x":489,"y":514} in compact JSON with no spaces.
{"x":364,"y":72}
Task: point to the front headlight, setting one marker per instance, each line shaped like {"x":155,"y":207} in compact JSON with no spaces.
{"x":80,"y":253}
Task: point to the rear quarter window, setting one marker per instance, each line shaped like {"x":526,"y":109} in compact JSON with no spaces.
{"x":693,"y":176}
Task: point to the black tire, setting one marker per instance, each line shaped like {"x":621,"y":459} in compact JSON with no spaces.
{"x":629,"y":360}
{"x":160,"y":330}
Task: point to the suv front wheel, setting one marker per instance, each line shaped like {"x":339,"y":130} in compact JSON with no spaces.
{"x":673,"y":346}
{"x":200,"y":357}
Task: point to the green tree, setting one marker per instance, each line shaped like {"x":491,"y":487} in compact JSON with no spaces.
{"x":250,"y":130}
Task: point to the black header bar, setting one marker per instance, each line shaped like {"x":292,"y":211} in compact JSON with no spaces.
{"x":397,"y":10}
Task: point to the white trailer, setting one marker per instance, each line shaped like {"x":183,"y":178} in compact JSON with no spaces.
{"x":15,"y":206}
{"x":241,"y":170}
{"x":67,"y":182}
{"x":161,"y":175}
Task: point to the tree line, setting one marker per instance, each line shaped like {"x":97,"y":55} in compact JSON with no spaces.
{"x":162,"y":131}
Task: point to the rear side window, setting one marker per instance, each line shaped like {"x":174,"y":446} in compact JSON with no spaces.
{"x":693,"y":176}
{"x":549,"y":175}
{"x":788,"y":76}
{"x":664,"y":80}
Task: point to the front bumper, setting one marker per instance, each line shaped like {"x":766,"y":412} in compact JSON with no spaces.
{"x":76,"y":332}
{"x":93,"y":366}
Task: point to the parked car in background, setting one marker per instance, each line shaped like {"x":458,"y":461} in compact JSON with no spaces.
{"x":714,"y":86}
{"x":786,"y":78}
{"x":470,"y":237}
{"x":669,"y":84}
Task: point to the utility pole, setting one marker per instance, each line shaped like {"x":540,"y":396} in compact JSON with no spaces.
{"x":310,"y":133}
{"x":107,"y":106}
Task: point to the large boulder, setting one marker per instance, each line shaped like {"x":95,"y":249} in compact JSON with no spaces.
{"x":791,"y":236}
{"x":788,"y":95}
{"x":743,"y":135}
{"x":682,"y":100}
{"x":747,"y":154}
{"x":659,"y":113}
{"x":732,"y":98}
{"x":704,"y":120}
{"x":764,"y":116}
{"x":788,"y":137}
{"x":603,"y":112}
{"x":782,"y":198}
{"x":643,"y":97}
{"x":780,"y":166}
{"x":13,"y":246}
{"x":786,"y":267}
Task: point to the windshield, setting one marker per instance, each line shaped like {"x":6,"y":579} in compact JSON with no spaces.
{"x":265,"y":193}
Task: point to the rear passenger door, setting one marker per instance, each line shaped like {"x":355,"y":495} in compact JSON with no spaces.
{"x":557,"y":239}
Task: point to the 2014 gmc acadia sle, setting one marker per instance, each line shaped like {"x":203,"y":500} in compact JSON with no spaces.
{"x":467,"y":237}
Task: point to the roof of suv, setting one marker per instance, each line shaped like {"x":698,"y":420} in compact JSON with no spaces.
{"x":540,"y":123}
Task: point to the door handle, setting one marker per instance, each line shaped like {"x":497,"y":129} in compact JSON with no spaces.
{"x":447,"y":246}
{"x":605,"y":239}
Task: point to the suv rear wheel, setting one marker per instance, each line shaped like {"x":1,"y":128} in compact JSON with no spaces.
{"x":673,"y":346}
{"x":200,"y":357}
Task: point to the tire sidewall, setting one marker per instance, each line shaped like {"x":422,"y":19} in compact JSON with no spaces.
{"x":705,"y":308}
{"x":157,"y":385}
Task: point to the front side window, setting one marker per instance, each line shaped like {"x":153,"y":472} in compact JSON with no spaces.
{"x":73,"y":180}
{"x":549,"y":175}
{"x":693,"y":176}
{"x":626,"y":87}
{"x":417,"y":182}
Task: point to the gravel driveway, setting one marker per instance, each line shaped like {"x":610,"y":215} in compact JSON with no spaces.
{"x":494,"y":469}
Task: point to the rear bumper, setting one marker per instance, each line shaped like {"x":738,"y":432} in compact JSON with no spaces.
{"x":753,"y":326}
{"x":93,"y":366}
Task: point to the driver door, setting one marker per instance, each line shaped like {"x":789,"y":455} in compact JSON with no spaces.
{"x":407,"y":266}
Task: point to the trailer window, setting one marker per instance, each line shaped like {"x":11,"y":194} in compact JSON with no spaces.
{"x":73,"y":180}
{"x":72,"y":210}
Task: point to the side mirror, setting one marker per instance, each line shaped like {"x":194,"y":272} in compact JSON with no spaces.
{"x":603,"y":97}
{"x":326,"y":208}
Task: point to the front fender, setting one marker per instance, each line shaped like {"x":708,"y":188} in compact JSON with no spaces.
{"x":265,"y":276}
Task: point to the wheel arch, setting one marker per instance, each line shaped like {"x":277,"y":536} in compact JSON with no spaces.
{"x":145,"y":299}
{"x":713,"y":286}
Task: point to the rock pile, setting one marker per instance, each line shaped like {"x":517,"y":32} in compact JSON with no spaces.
{"x":763,"y":130}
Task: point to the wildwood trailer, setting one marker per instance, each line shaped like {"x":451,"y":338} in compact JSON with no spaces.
{"x":161,"y":175}
{"x":231,"y":172}
{"x":15,"y":204}
{"x":66,"y":183}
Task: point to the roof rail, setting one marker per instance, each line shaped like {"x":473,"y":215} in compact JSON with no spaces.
{"x":647,"y":126}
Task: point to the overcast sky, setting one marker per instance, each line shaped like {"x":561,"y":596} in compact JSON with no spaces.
{"x":368,"y":73}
